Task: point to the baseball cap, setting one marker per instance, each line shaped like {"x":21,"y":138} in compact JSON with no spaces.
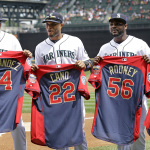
{"x":53,"y":17}
{"x":1,"y":19}
{"x":118,"y":16}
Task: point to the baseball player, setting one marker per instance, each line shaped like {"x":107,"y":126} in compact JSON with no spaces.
{"x":61,"y":48}
{"x":9,"y":42}
{"x":126,"y":45}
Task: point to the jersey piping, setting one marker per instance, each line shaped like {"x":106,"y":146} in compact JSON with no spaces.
{"x":62,"y":43}
{"x":2,"y":37}
{"x":127,"y":43}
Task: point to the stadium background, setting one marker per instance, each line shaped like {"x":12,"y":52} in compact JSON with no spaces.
{"x":86,"y":19}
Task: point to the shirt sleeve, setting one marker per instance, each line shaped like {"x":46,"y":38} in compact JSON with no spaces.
{"x":38,"y":59}
{"x":147,"y":49}
{"x":101,"y":51}
{"x":16,"y":44}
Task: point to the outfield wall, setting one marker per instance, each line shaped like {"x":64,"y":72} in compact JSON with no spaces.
{"x":92,"y":40}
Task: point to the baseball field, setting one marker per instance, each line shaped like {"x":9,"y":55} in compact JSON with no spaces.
{"x":6,"y":141}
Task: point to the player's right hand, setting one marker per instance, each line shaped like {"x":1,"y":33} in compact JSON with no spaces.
{"x":145,"y":57}
{"x":96,"y":60}
{"x":34,"y":67}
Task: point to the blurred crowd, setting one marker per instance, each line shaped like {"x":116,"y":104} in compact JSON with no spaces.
{"x":139,"y":9}
{"x":96,"y":10}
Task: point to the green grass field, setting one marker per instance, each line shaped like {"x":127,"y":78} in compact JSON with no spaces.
{"x":89,"y":106}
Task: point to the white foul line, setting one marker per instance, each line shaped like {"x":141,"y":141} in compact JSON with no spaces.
{"x":28,"y":124}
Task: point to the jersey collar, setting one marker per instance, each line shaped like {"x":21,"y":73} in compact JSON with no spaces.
{"x":113,"y":43}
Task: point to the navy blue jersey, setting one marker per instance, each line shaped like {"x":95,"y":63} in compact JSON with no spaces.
{"x":120,"y":84}
{"x":13,"y":72}
{"x":56,"y":118}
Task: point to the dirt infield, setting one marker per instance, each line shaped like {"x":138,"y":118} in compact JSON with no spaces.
{"x":6,"y":141}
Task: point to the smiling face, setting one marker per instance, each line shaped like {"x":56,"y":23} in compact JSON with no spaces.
{"x":54,"y":30}
{"x":117,"y":28}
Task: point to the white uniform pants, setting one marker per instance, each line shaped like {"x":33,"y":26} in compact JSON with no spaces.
{"x":139,"y":144}
{"x":19,"y":136}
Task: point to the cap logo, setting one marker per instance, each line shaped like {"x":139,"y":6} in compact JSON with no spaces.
{"x":118,"y":15}
{"x":52,"y":17}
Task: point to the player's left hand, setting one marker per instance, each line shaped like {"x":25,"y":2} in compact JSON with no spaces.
{"x":97,"y":60}
{"x":80,"y":64}
{"x":27,"y":53}
{"x":145,"y":57}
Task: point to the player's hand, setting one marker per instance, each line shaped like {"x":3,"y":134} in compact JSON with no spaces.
{"x":27,"y":53}
{"x":145,"y":57}
{"x":80,"y":64}
{"x":34,"y":67}
{"x":97,"y":60}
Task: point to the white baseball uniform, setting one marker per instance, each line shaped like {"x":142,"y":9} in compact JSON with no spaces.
{"x":67,"y":50}
{"x":130,"y":47}
{"x":9,"y":42}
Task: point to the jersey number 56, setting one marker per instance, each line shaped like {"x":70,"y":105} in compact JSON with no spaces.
{"x":126,"y":92}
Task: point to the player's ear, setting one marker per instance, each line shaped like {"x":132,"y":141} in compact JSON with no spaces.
{"x":61,"y":25}
{"x":126,"y":26}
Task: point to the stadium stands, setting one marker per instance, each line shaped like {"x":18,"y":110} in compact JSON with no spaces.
{"x":98,"y":11}
{"x":81,"y":11}
{"x":137,"y":11}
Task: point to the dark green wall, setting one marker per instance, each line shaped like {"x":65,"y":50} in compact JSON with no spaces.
{"x":92,"y":40}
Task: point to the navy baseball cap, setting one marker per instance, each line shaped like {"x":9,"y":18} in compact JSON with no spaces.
{"x":53,"y":17}
{"x":118,"y":16}
{"x":1,"y":19}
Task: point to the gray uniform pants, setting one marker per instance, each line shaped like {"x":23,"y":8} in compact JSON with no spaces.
{"x":19,"y":136}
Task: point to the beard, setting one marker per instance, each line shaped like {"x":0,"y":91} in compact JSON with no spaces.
{"x":56,"y":33}
{"x":118,"y":34}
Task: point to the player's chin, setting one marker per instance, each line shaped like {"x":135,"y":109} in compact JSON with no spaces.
{"x":114,"y":34}
{"x":50,"y":34}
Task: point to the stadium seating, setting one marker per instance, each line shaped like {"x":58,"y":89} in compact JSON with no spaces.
{"x":137,"y":11}
{"x":96,"y":11}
